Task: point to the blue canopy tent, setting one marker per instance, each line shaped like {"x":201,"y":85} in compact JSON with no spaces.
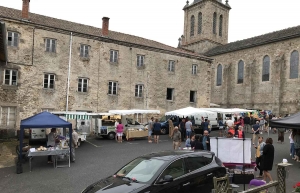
{"x":42,"y":120}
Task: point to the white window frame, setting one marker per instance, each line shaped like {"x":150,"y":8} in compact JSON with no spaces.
{"x":48,"y":81}
{"x":194,"y":69}
{"x":140,"y":60}
{"x":14,"y":39}
{"x":82,"y":83}
{"x":112,"y":84}
{"x":171,"y":66}
{"x":10,"y":77}
{"x":8,"y":112}
{"x":172,"y":98}
{"x":139,"y":90}
{"x":84,"y":50}
{"x":113,"y":56}
{"x":51,"y":49}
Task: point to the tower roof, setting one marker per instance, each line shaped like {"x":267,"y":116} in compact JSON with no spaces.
{"x":198,"y":1}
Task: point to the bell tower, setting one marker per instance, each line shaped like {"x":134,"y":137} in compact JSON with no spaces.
{"x":205,"y":25}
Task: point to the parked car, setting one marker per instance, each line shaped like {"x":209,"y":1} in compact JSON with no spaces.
{"x":166,"y":172}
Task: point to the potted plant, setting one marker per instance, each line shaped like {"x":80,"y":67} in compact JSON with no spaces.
{"x":297,"y":187}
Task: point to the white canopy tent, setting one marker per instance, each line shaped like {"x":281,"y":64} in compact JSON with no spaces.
{"x":187,"y":111}
{"x":133,"y":111}
{"x":230,"y":111}
{"x":214,"y":105}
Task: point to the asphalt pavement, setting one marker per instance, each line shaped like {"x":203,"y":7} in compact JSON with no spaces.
{"x":99,"y":158}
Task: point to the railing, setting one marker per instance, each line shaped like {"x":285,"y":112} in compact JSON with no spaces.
{"x":222,"y":185}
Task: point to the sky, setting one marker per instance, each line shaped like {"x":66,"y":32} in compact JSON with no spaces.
{"x":162,"y":20}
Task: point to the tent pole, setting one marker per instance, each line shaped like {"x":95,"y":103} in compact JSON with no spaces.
{"x":244,"y":164}
{"x":19,"y":162}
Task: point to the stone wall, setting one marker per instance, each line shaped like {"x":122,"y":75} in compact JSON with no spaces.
{"x":29,"y":96}
{"x":280,"y":94}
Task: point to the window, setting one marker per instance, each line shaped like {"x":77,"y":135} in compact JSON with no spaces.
{"x":10,"y":77}
{"x":192,"y":25}
{"x":113,"y":56}
{"x":82,"y":84}
{"x":8,"y":116}
{"x":215,"y":23}
{"x":171,"y":66}
{"x":139,"y":90}
{"x":175,"y":169}
{"x":112,"y":88}
{"x":193,"y":96}
{"x":219,"y":75}
{"x":194,"y":69}
{"x":200,"y":23}
{"x":194,"y":163}
{"x":294,"y":65}
{"x":13,"y":39}
{"x":84,"y":51}
{"x":49,"y":81}
{"x":140,"y":60}
{"x":50,"y":45}
{"x":266,"y":69}
{"x":170,"y":93}
{"x":240,"y":72}
{"x":221,"y":25}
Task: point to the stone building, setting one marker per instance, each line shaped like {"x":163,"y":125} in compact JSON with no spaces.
{"x":258,"y":73}
{"x":52,"y":64}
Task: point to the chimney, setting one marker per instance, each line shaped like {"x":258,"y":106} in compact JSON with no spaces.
{"x":25,"y":9}
{"x":105,"y":24}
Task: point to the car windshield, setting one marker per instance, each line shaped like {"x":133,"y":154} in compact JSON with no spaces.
{"x":141,"y":169}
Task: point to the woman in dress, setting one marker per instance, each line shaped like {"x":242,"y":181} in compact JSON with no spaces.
{"x":120,"y":129}
{"x":156,"y":130}
{"x":267,"y":159}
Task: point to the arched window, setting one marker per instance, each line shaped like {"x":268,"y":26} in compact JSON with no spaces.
{"x":192,"y":25}
{"x":266,"y":69}
{"x":221,"y":25}
{"x":219,"y":75}
{"x":200,"y":23}
{"x":240,"y":72}
{"x":215,"y":23}
{"x":294,"y":64}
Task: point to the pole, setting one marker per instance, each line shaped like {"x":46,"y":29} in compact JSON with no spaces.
{"x":244,"y":164}
{"x":69,"y":72}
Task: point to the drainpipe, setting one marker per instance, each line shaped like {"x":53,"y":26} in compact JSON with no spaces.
{"x":69,"y":72}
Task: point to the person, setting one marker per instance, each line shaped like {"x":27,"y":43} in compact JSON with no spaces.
{"x":255,"y":130}
{"x":75,"y":138}
{"x":205,"y":125}
{"x":205,"y":141}
{"x":268,"y":159}
{"x":150,"y":128}
{"x":120,"y":129}
{"x":182,"y":129}
{"x":237,"y":123}
{"x":240,"y":133}
{"x":156,"y":130}
{"x":221,"y":127}
{"x":188,"y":127}
{"x":281,"y":135}
{"x":262,"y":125}
{"x":198,"y":145}
{"x":297,"y":145}
{"x":292,"y":145}
{"x":258,"y":155}
{"x":209,"y":126}
{"x":247,"y":124}
{"x":230,"y":134}
{"x":116,"y":124}
{"x":232,"y":131}
{"x":192,"y":141}
{"x":51,"y":142}
{"x":176,"y":136}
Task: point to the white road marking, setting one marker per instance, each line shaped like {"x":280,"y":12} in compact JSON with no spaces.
{"x":93,"y":144}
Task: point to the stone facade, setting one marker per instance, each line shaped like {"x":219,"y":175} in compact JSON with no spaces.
{"x":32,"y":62}
{"x":280,"y":94}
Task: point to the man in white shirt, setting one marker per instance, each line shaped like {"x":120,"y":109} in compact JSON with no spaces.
{"x":75,"y":138}
{"x":229,"y":123}
{"x":116,"y":124}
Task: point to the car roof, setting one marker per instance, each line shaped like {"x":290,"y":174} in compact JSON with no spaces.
{"x":172,"y":155}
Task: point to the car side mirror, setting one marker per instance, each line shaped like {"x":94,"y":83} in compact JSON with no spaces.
{"x":166,"y":179}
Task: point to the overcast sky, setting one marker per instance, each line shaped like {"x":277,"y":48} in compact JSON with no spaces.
{"x":162,"y":20}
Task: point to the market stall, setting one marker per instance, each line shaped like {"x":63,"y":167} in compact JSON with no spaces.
{"x":291,"y":122}
{"x":133,"y":129}
{"x":42,"y":120}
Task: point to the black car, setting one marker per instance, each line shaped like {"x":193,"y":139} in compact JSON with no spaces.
{"x":168,"y":171}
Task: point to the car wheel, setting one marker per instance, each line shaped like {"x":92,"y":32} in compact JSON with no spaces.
{"x":163,"y":131}
{"x":79,"y":142}
{"x":111,"y":136}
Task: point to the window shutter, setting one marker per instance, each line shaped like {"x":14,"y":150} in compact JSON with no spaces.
{"x":53,"y":45}
{"x":116,"y":56}
{"x":16,"y":37}
{"x":138,"y":64}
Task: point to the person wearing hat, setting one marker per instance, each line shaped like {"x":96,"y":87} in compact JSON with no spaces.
{"x":150,"y":128}
{"x":176,"y":136}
